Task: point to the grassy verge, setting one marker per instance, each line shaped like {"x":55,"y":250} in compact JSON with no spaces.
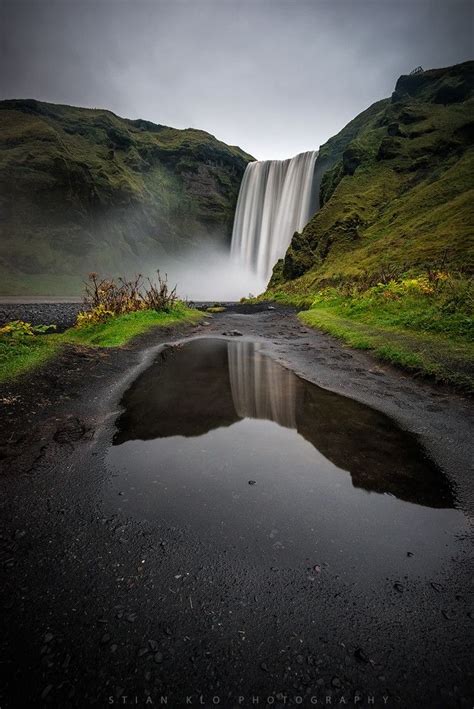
{"x":422,"y":324}
{"x":22,"y":354}
{"x":121,"y":329}
{"x":433,"y":355}
{"x":18,"y":355}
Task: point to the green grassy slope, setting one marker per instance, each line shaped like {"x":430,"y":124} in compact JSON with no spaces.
{"x":21,"y":354}
{"x":400,"y":190}
{"x":82,"y":190}
{"x":387,"y":261}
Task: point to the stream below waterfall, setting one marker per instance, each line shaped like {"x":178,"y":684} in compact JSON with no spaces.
{"x":220,"y":439}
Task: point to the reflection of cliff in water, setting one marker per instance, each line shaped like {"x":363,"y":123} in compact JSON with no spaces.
{"x":209,"y":383}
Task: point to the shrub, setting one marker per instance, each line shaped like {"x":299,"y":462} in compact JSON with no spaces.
{"x":159,"y":297}
{"x":94,"y":316}
{"x":105,"y":298}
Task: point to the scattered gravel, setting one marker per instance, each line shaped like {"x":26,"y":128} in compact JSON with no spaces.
{"x":63,"y":315}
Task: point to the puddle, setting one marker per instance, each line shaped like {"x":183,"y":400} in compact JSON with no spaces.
{"x":333,"y":481}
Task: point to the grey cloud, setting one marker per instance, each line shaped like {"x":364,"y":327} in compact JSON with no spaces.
{"x":275,"y":77}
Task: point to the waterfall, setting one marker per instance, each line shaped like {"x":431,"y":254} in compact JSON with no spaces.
{"x":261,"y":388}
{"x":275,"y":200}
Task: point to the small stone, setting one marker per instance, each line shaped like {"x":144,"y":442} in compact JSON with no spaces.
{"x":131,"y":617}
{"x":410,"y":553}
{"x":158,"y":657}
{"x":252,"y":482}
{"x":105,"y":639}
{"x":264,"y":666}
{"x":437,"y":586}
{"x":143,"y":651}
{"x":299,"y":659}
{"x":46,"y":691}
{"x":448,"y":616}
{"x":48,"y":637}
{"x":113,"y":648}
{"x":360,"y":656}
{"x":153,"y":645}
{"x":336,"y":682}
{"x":398,"y":587}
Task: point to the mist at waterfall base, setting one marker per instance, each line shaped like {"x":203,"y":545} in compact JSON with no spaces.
{"x":276,"y":198}
{"x":211,"y":274}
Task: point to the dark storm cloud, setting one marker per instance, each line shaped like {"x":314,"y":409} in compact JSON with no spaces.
{"x":275,"y":77}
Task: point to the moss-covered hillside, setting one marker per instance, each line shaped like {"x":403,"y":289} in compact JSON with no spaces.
{"x":82,"y":189}
{"x":396,"y":189}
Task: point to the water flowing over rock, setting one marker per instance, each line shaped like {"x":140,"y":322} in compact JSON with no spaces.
{"x":261,"y":388}
{"x":275,"y":200}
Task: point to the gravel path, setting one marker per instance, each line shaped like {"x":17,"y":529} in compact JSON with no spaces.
{"x":100,"y":606}
{"x":63,"y":315}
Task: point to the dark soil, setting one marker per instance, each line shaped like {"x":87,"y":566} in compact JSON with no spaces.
{"x":102,"y":609}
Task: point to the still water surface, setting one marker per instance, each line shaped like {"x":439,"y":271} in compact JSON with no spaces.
{"x":219,"y":439}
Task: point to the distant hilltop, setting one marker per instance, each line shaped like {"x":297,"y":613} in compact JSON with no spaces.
{"x":85,"y":190}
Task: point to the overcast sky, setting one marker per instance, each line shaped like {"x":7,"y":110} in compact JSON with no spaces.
{"x":276,"y":77}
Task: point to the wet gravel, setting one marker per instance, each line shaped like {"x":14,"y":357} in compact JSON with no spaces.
{"x":63,"y":315}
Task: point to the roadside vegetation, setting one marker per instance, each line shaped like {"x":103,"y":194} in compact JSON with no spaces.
{"x":114,"y":312}
{"x":423,"y":322}
{"x":386,"y":263}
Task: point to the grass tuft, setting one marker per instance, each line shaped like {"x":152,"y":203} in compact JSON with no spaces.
{"x":22,"y":354}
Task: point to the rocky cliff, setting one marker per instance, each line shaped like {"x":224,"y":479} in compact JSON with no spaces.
{"x":395,"y":188}
{"x":82,"y":190}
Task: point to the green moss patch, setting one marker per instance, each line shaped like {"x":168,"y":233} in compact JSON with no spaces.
{"x":19,"y":355}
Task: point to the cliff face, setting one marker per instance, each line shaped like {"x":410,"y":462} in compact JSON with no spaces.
{"x":84,"y":190}
{"x":395,"y":187}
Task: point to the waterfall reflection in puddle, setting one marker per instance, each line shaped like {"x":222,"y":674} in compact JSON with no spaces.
{"x":334,"y":478}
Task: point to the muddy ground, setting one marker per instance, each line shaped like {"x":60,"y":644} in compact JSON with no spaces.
{"x":92,"y":611}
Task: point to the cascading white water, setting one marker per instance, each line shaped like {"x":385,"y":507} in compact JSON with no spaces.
{"x":261,"y":388}
{"x":274,"y":201}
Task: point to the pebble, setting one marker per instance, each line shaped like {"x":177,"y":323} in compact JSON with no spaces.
{"x":46,"y":691}
{"x":158,"y":657}
{"x":360,"y":656}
